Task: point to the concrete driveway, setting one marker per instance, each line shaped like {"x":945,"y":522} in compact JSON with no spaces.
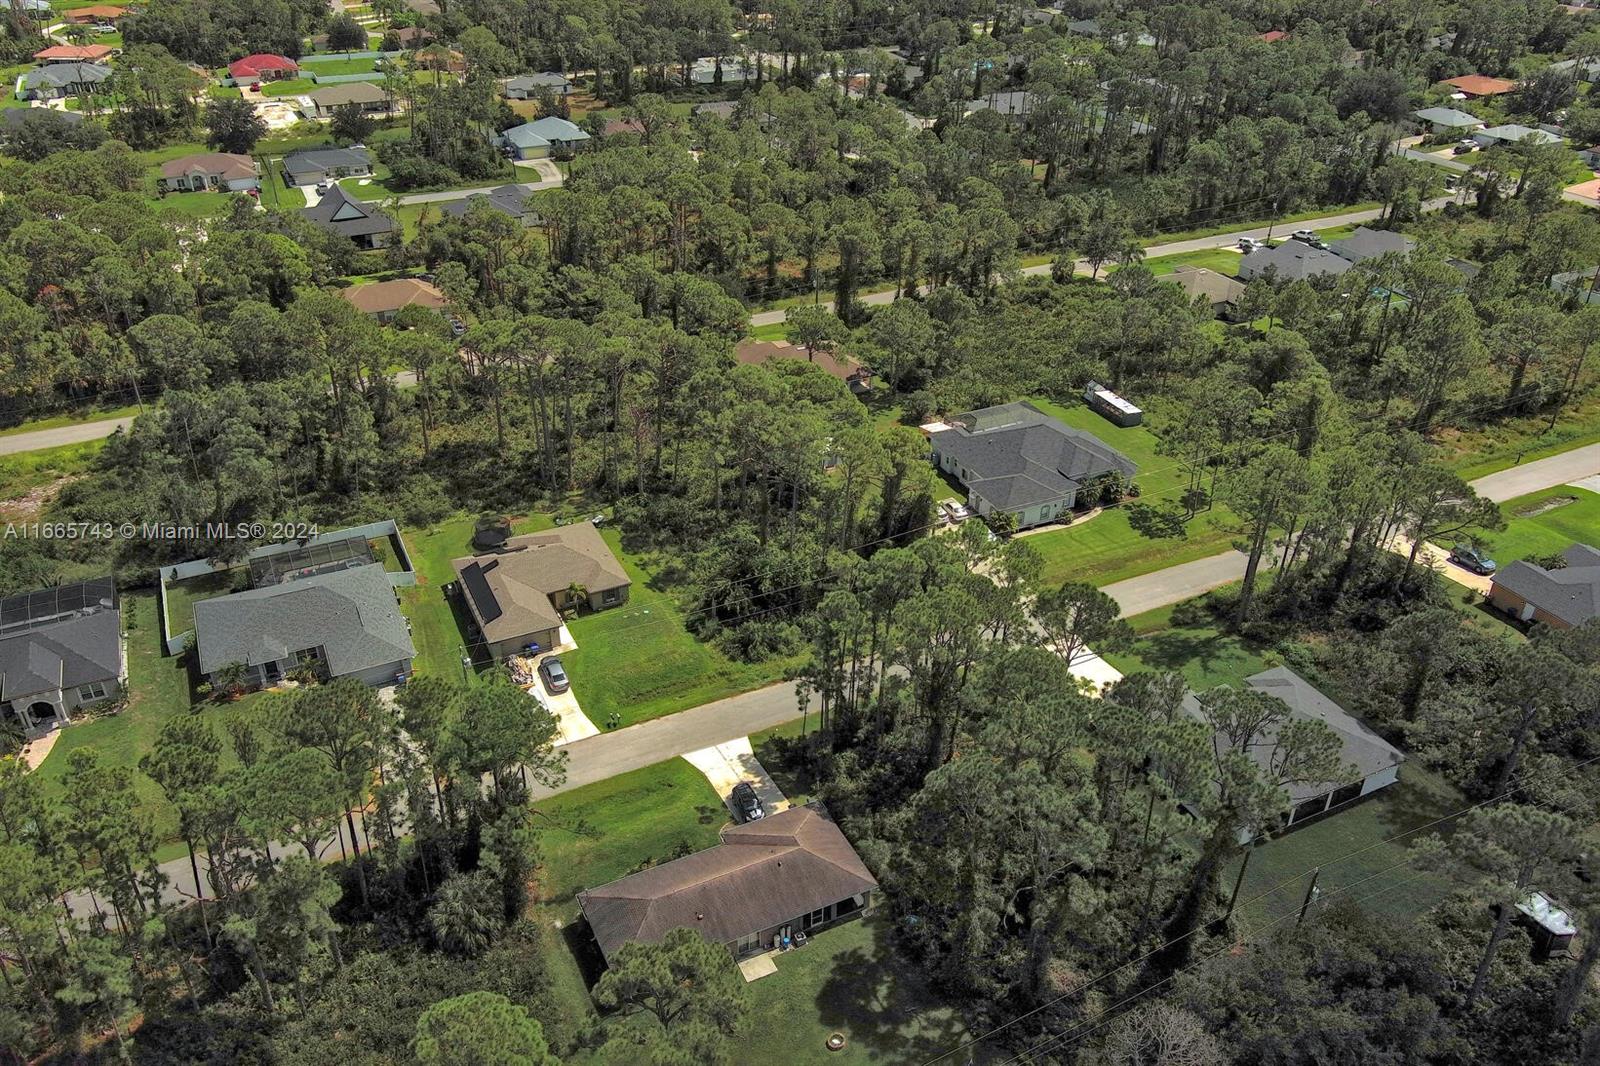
{"x":728,"y":763}
{"x":571,"y":723}
{"x":1438,"y":558}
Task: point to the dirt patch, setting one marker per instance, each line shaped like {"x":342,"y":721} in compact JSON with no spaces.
{"x":1533,"y":510}
{"x":31,"y":504}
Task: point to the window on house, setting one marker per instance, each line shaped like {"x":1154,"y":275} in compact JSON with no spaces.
{"x":610,"y":596}
{"x":89,"y":693}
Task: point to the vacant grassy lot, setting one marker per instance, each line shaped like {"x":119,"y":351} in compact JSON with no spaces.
{"x":1477,"y":452}
{"x":25,"y":478}
{"x":1544,"y":523}
{"x":1107,"y":547}
{"x":1205,"y":655}
{"x":640,"y":660}
{"x":1222,"y":260}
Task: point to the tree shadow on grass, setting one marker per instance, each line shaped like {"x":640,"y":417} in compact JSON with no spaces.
{"x":1213,"y":652}
{"x":884,"y":1008}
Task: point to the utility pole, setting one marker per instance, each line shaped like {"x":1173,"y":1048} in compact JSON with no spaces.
{"x":1238,"y":881}
{"x":1311,"y":895}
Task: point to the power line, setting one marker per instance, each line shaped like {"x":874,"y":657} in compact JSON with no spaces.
{"x":1450,"y":816}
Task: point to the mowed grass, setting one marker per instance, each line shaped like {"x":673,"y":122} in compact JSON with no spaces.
{"x":850,"y":980}
{"x":183,"y":595}
{"x":1551,"y":531}
{"x":1107,"y":548}
{"x":640,"y":661}
{"x":1224,"y":261}
{"x":1205,"y":655}
{"x":598,"y":833}
{"x":158,"y":690}
{"x":1363,"y":852}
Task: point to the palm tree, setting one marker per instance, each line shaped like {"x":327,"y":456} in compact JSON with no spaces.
{"x":466,"y":915}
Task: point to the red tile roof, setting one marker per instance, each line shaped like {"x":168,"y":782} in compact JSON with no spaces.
{"x":74,"y":53}
{"x":259,"y":64}
{"x":1480,"y":85}
{"x":1273,"y":35}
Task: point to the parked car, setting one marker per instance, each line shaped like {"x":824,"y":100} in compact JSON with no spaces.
{"x":1470,"y":557}
{"x":457,"y":327}
{"x":103,"y":27}
{"x":1463,"y":147}
{"x":1250,"y":244}
{"x":554,"y":675}
{"x":955,"y":511}
{"x":1307,"y":235}
{"x":746,"y":804}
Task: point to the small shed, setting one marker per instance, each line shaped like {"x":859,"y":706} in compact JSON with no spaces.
{"x":1551,"y":927}
{"x":1111,"y":406}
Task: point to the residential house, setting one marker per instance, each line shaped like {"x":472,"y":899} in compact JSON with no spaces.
{"x":1292,"y":261}
{"x":1590,"y":156}
{"x":704,"y":71}
{"x":94,"y":13}
{"x":1272,"y":36}
{"x":1366,"y":244}
{"x":59,"y":80}
{"x":410,"y":36}
{"x":1587,"y":69}
{"x":422,"y":7}
{"x":1111,"y":406}
{"x":543,"y":138}
{"x":60,"y":649}
{"x":1476,"y":85}
{"x":1017,"y":460}
{"x":1093,"y":28}
{"x":1375,"y":761}
{"x":263,"y":66}
{"x":362,"y":95}
{"x":528,"y":86}
{"x":507,"y":199}
{"x":309,"y":166}
{"x":438,"y":57}
{"x":723,"y":109}
{"x":1561,"y":598}
{"x":12,"y":119}
{"x":1220,"y":292}
{"x":75,"y":53}
{"x":360,"y":221}
{"x":1014,"y":105}
{"x":855,"y":376}
{"x":208,"y":172}
{"x":334,"y":612}
{"x":1447,"y":120}
{"x":789,"y":873}
{"x":37,"y":8}
{"x":615,"y":126}
{"x":1513,"y":133}
{"x":385,"y":299}
{"x":515,"y":595}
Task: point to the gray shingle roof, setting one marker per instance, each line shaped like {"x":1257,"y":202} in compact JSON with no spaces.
{"x":1361,"y":747}
{"x":1017,"y":456}
{"x":61,"y":655}
{"x":351,"y":614}
{"x":509,"y":591}
{"x":1292,"y":261}
{"x":61,"y":75}
{"x":1366,"y":244}
{"x":763,"y":874}
{"x":544,"y":80}
{"x":511,"y":199}
{"x":1449,"y":118}
{"x":347,"y":216}
{"x":1571,"y":594}
{"x":323,"y":160}
{"x":544,"y":131}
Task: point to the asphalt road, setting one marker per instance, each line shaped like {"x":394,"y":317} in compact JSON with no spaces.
{"x":550,"y":178}
{"x":34,"y":440}
{"x":1178,"y":583}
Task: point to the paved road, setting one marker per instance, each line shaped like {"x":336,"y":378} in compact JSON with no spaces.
{"x":588,"y":761}
{"x":1178,"y":583}
{"x":1196,"y":244}
{"x":36,"y":439}
{"x":550,"y":178}
{"x":1539,"y":474}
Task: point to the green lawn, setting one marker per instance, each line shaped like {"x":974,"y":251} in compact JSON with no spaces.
{"x":1204,"y":655}
{"x":287,"y":87}
{"x":183,"y":595}
{"x":24,"y":472}
{"x":640,"y":661}
{"x":1477,"y":452}
{"x":158,"y":689}
{"x":1550,"y":531}
{"x":1279,"y":869}
{"x":599,"y":833}
{"x":1107,"y":548}
{"x":849,"y":980}
{"x":327,"y":65}
{"x":1222,"y":260}
{"x":777,"y":331}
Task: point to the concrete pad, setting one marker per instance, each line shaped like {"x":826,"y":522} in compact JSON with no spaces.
{"x":34,"y":751}
{"x":1089,"y":667}
{"x":1590,"y":189}
{"x":758,"y":966}
{"x":726,"y":764}
{"x":571,"y":723}
{"x":1591,"y":483}
{"x":1438,"y":558}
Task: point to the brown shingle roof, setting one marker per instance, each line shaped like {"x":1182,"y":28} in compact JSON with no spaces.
{"x":763,"y":874}
{"x":1481,"y":85}
{"x":519,"y":581}
{"x":755,"y":353}
{"x":226,"y":164}
{"x":393,"y":295}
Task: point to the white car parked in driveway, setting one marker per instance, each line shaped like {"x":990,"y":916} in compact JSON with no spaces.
{"x":955,"y":511}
